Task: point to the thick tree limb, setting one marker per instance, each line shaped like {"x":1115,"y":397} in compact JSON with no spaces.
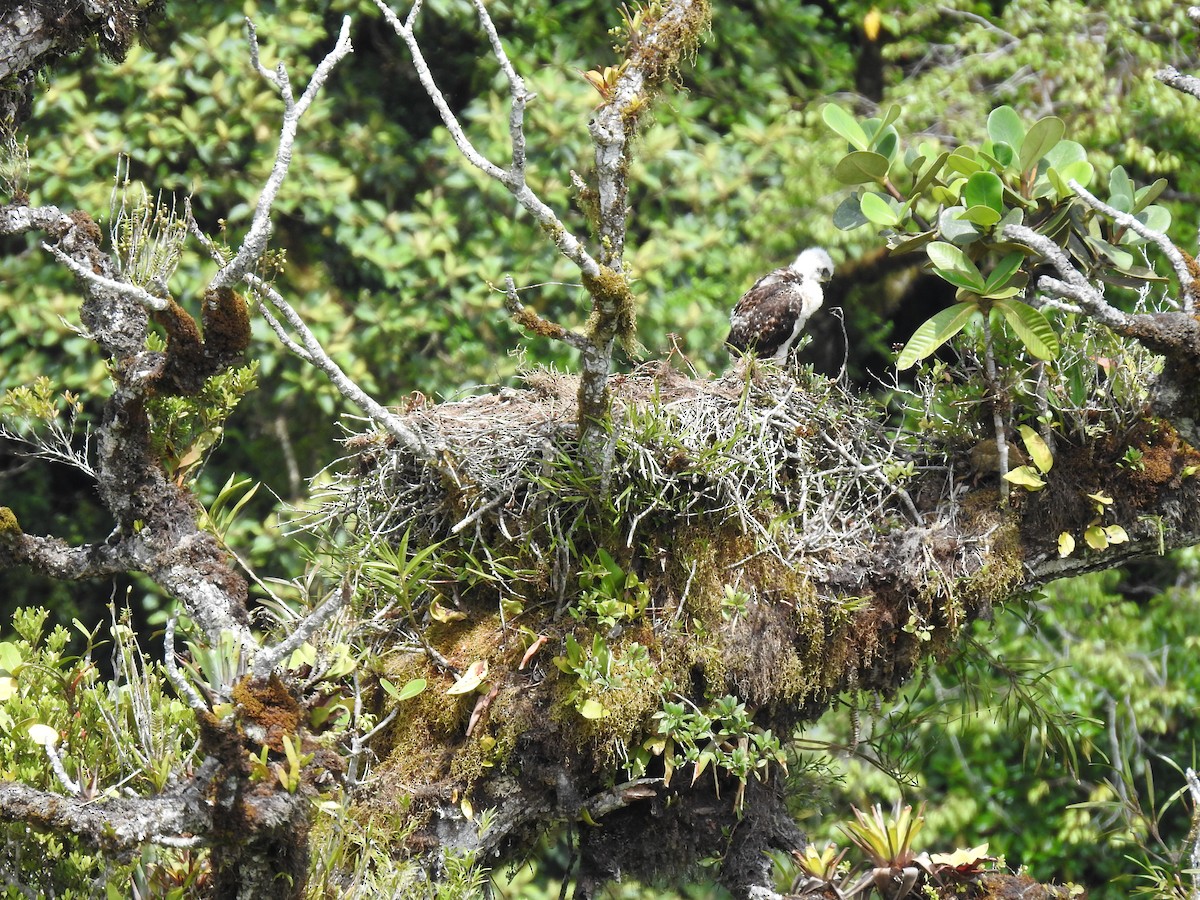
{"x":58,"y":559}
{"x":119,"y":827}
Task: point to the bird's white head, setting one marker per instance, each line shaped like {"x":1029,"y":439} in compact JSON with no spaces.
{"x":815,"y":264}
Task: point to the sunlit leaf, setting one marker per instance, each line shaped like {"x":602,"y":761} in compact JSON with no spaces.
{"x":1041,"y":138}
{"x":1037,"y":448}
{"x":470,"y":679}
{"x":1096,"y":538}
{"x":1026,"y":477}
{"x":876,"y":208}
{"x":43,"y":734}
{"x":845,"y":125}
{"x":985,"y":189}
{"x":861,"y":167}
{"x":1002,"y":272}
{"x":1116,"y":534}
{"x":1066,"y":544}
{"x":1005,"y":126}
{"x":445,"y":616}
{"x":593,"y":709}
{"x":1034,"y":330}
{"x":1120,"y":190}
{"x":983,"y":216}
{"x":934,"y":332}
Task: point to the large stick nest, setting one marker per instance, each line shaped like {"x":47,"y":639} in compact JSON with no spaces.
{"x":799,"y":465}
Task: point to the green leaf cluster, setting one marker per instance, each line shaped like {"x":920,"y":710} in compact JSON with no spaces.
{"x":955,"y":205}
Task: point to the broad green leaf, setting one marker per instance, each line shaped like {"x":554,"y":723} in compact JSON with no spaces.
{"x":1041,"y":138}
{"x":10,"y":657}
{"x":1147,"y":195}
{"x":845,"y":125}
{"x":934,"y":332}
{"x":1003,"y":271}
{"x":1156,"y":218}
{"x":1120,"y":190}
{"x":963,"y":162}
{"x":411,"y":689}
{"x":960,"y":280}
{"x":930,"y":172}
{"x":877,"y":209}
{"x":954,"y":227}
{"x":1122,"y":259}
{"x":951,"y":259}
{"x":1034,"y":330}
{"x":1038,"y":450}
{"x":1004,"y":125}
{"x":1081,"y":171}
{"x":985,"y":189}
{"x":890,"y":115}
{"x":860,"y":167}
{"x":1026,"y":477}
{"x":887,"y":144}
{"x":1065,"y":153}
{"x":983,"y":216}
{"x":1004,"y":155}
{"x":848,"y":215}
{"x":907,"y":243}
{"x":1066,"y":544}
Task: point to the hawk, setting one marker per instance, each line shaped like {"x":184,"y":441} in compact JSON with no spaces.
{"x":771,"y":315}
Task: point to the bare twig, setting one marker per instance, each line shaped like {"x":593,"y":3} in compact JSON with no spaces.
{"x":182,"y":685}
{"x":124,"y":289}
{"x":269,"y":657}
{"x":316,"y":356}
{"x":255,"y":242}
{"x":513,"y":179}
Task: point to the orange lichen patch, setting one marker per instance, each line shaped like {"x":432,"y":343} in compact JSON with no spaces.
{"x":268,"y":704}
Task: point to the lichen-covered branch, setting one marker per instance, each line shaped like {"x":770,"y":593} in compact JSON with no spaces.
{"x":1174,"y":255}
{"x":56,"y":558}
{"x":119,"y":827}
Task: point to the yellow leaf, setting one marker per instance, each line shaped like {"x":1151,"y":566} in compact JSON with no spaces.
{"x":468,"y":810}
{"x":1116,"y":534}
{"x":443,"y":615}
{"x":8,"y":687}
{"x":586,"y":815}
{"x":470,"y":679}
{"x":1101,"y":498}
{"x":593,"y":709}
{"x":1026,"y":477}
{"x":1096,"y":538}
{"x":871,"y":24}
{"x":961,"y":857}
{"x":1039,"y":450}
{"x":1066,"y":544}
{"x":43,"y":734}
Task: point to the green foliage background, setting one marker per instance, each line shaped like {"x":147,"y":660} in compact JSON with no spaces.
{"x":392,"y":241}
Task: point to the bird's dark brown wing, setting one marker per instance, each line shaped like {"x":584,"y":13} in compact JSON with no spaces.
{"x":763,"y":319}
